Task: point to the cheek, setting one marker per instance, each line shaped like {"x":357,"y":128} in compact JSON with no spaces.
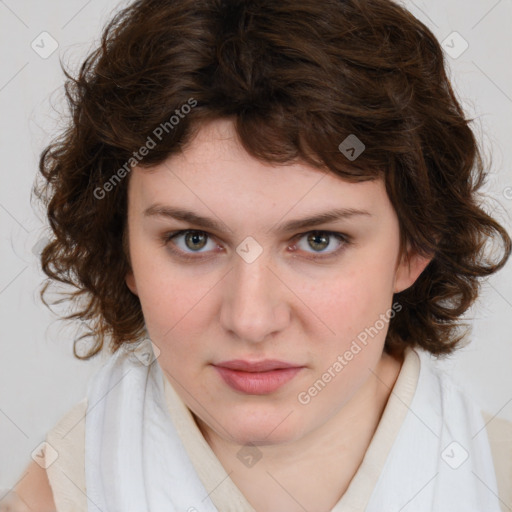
{"x":353,"y":308}
{"x":359,"y":294}
{"x":172,"y":305}
{"x":175,"y":318}
{"x":159,"y":281}
{"x":176,"y":303}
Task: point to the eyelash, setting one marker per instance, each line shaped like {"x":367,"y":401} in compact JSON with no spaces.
{"x":345,"y":239}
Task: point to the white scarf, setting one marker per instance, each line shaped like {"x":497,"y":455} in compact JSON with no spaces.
{"x":136,"y":462}
{"x":441,"y":460}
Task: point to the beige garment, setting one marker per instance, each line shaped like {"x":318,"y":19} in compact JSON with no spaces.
{"x":67,"y":478}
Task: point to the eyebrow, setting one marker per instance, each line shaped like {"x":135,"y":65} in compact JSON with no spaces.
{"x":159,"y":210}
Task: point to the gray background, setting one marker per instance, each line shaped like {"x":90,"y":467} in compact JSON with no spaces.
{"x":39,"y":378}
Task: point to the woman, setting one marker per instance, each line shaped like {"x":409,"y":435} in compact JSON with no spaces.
{"x":271,"y":212}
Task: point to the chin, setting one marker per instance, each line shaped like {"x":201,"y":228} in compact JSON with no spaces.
{"x":262,"y":431}
{"x":260,"y":438}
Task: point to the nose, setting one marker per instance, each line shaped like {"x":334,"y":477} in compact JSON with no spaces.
{"x":254,"y":302}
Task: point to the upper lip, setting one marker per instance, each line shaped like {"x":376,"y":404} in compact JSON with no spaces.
{"x":256,"y":366}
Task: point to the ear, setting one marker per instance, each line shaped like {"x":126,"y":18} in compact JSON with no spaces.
{"x":409,"y":269}
{"x":130,"y":282}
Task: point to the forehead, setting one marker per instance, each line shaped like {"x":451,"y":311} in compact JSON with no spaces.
{"x":214,"y":169}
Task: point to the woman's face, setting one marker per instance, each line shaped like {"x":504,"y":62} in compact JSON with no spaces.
{"x":254,"y":284}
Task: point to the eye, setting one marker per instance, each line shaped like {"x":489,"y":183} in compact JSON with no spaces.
{"x":320,"y":240}
{"x":193,"y":242}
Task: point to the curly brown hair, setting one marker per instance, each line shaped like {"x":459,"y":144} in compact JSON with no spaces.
{"x":297,"y":77}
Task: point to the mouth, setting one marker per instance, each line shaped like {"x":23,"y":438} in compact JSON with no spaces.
{"x":257,"y":378}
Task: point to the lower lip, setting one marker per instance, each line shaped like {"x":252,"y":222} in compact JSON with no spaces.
{"x":257,"y":383}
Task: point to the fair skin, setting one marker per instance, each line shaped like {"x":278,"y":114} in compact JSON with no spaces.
{"x":283,"y":305}
{"x":32,"y":493}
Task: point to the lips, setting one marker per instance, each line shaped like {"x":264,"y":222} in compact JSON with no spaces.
{"x":256,"y":366}
{"x":258,"y":377}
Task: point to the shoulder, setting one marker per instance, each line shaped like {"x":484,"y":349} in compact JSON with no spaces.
{"x":32,"y":493}
{"x":499,"y":431}
{"x":57,"y":481}
{"x":65,"y":456}
{"x":457,"y":407}
{"x":70,"y":425}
